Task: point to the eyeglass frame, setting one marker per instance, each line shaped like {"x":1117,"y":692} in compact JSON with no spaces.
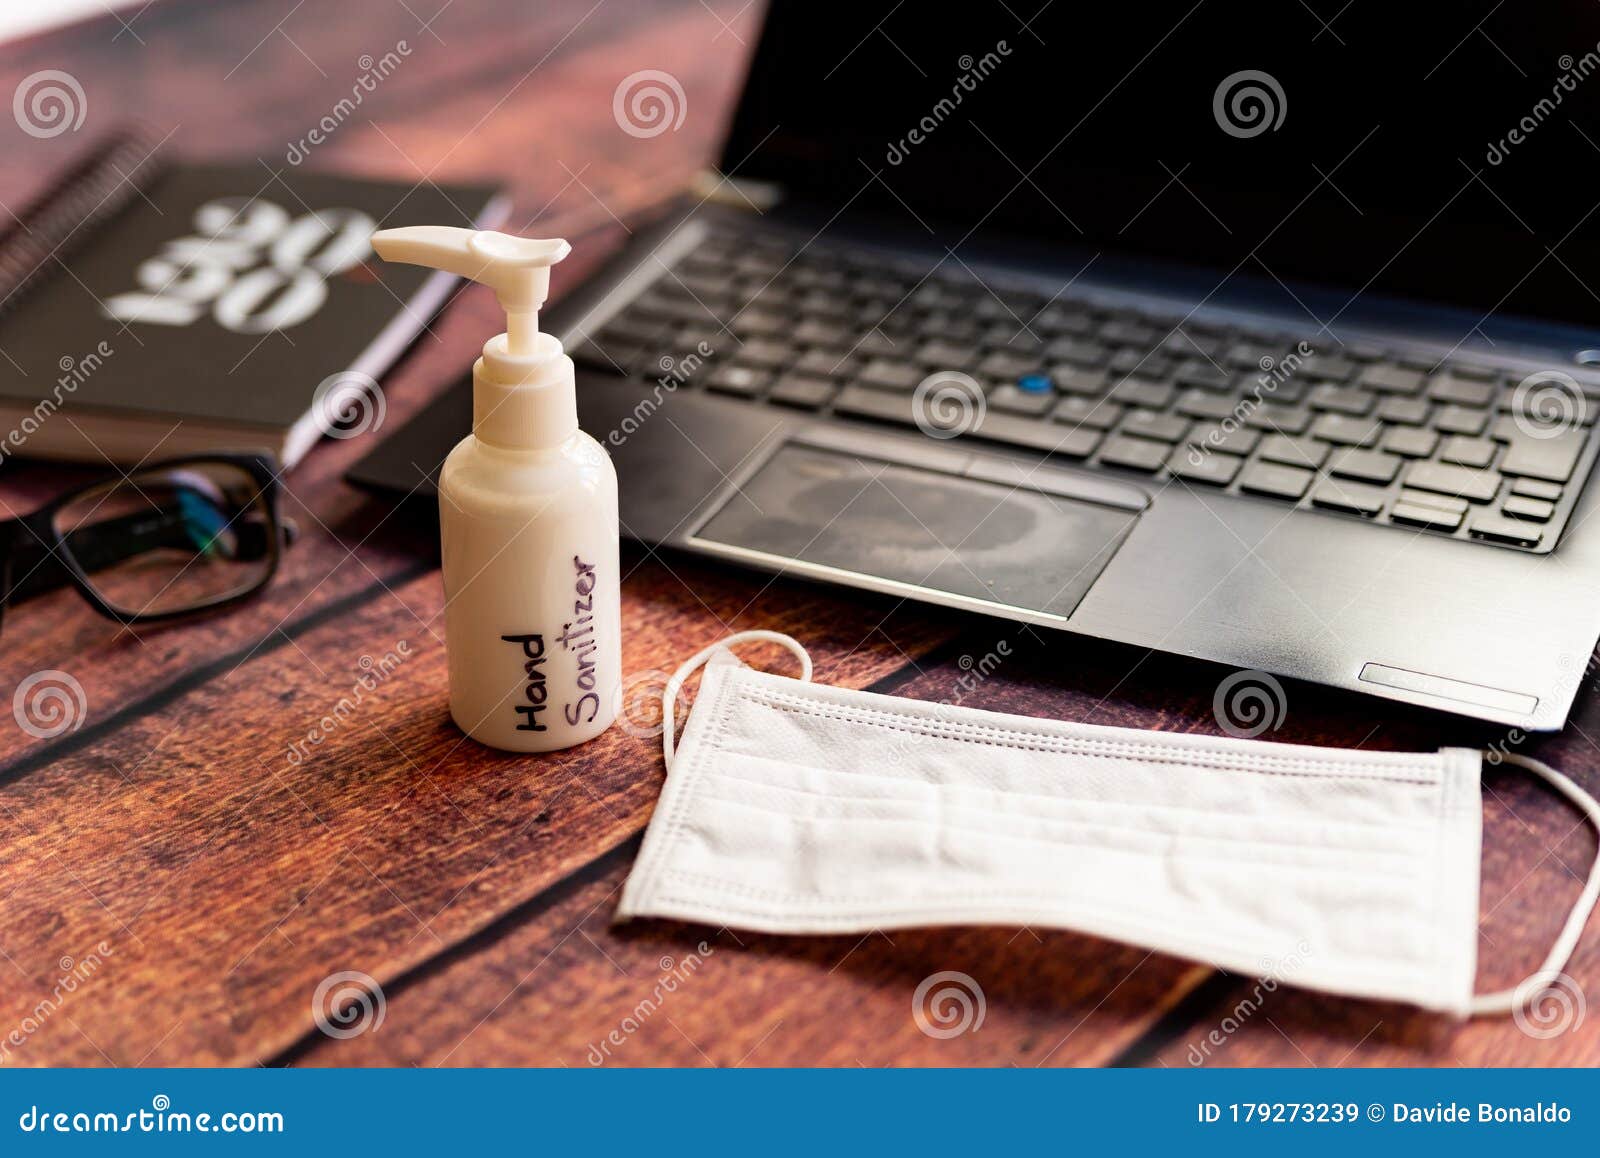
{"x":58,"y":564}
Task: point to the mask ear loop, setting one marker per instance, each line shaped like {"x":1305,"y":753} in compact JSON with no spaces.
{"x":1509,"y":1000}
{"x":669,"y":698}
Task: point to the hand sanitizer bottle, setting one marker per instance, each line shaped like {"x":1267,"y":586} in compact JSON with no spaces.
{"x":527,"y":517}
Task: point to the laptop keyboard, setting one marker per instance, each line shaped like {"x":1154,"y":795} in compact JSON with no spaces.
{"x":1450,"y":448}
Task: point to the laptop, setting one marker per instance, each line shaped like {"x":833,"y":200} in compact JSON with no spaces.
{"x":1257,"y":333}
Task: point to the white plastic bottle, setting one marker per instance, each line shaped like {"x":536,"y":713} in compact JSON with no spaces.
{"x":527,"y":517}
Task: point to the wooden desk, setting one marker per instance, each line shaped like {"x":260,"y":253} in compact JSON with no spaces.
{"x":227,"y":879}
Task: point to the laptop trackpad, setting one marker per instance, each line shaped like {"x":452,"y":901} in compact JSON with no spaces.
{"x":1031,"y":541}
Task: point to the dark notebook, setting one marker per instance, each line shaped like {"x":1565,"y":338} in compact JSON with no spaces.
{"x":150,"y":308}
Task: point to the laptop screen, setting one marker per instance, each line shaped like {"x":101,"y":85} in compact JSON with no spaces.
{"x":1446,"y":150}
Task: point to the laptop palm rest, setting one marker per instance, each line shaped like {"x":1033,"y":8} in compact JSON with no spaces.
{"x":968,"y":531}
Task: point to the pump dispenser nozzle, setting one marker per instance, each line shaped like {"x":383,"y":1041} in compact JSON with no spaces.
{"x":523,"y":384}
{"x":516,"y":268}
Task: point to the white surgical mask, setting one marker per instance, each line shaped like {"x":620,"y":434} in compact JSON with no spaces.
{"x":791,"y":807}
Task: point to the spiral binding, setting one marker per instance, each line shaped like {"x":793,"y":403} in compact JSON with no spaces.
{"x":97,"y":187}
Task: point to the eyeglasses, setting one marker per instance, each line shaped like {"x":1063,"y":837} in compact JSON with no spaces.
{"x":168,"y":540}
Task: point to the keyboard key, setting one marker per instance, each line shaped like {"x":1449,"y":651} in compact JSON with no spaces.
{"x":1499,"y":529}
{"x":875,"y":343}
{"x":1474,"y":452}
{"x":1203,"y":376}
{"x":1388,"y":378}
{"x":1129,"y":331}
{"x":1201,"y":404}
{"x":1352,"y":497}
{"x":1193,"y":464}
{"x":1451,"y":387}
{"x":835,"y":364}
{"x":745,"y":381}
{"x":1078,"y":380}
{"x":1078,"y":351}
{"x":1291,"y":451}
{"x":1006,"y":365}
{"x":1409,"y":441}
{"x":1367,"y":465}
{"x":1550,"y":459}
{"x":765,"y":353}
{"x":942,"y":355}
{"x":1340,"y":399}
{"x":1326,"y":366}
{"x":1435,"y":502}
{"x":1476,"y":486}
{"x":1533,"y":488}
{"x":822,"y":332}
{"x":1559,"y":404}
{"x":864,"y":402}
{"x":1405,"y":411}
{"x":1343,"y":430}
{"x":1248,"y":355}
{"x":1533,"y":510}
{"x":1454,"y":419}
{"x":1143,"y":392}
{"x":1418,"y":515}
{"x":1134,"y":362}
{"x":1240,"y":440}
{"x":1033,"y":434}
{"x":1274,"y":416}
{"x":882,"y":374}
{"x":804,"y":391}
{"x":1014,"y":400}
{"x":1133,"y":453}
{"x":1087,"y":412}
{"x":1150,"y":424}
{"x":1280,"y":482}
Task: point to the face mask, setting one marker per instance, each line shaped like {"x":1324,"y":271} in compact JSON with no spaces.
{"x":791,"y":807}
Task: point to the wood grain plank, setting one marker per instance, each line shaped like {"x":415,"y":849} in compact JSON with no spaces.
{"x":516,"y":1000}
{"x":229,"y":876}
{"x":565,"y":987}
